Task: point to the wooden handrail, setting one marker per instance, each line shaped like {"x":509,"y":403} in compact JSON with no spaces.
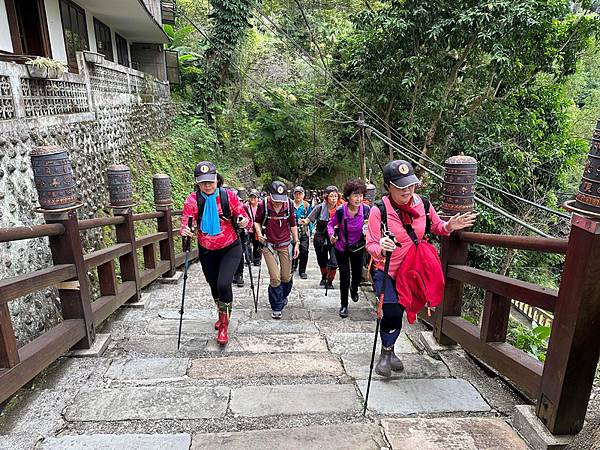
{"x":35,"y":231}
{"x":88,"y":224}
{"x":99,"y":257}
{"x":150,"y":239}
{"x":529,"y":293}
{"x":534,"y":243}
{"x":148,"y":215}
{"x":15,"y":287}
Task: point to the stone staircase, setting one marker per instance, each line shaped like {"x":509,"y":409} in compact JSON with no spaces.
{"x":297,"y":383}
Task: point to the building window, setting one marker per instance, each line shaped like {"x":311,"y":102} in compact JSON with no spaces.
{"x":122,"y":50}
{"x":103,"y":40}
{"x":74,"y":30}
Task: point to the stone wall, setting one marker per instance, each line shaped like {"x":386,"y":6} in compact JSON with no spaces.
{"x":119,"y":109}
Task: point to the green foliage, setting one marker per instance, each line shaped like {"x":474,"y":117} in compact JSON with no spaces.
{"x":533,"y":341}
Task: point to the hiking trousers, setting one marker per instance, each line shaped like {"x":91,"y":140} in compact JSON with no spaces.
{"x":350,"y":267}
{"x":219,"y":266}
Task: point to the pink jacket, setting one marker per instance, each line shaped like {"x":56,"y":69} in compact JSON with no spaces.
{"x":394,"y":224}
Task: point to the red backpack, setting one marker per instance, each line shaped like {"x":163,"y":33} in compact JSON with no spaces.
{"x":420,"y":279}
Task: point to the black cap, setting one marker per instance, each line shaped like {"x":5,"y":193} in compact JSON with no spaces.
{"x":330,"y":189}
{"x":298,"y":189}
{"x":205,"y":171}
{"x":278,"y":191}
{"x":400,"y":173}
{"x":253,"y":192}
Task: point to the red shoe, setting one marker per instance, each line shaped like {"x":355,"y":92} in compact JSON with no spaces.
{"x":218,"y":323}
{"x":222,"y":337}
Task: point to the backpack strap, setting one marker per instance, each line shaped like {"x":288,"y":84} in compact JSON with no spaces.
{"x":381,"y":207}
{"x":200,"y":203}
{"x":225,"y":208}
{"x":427,"y":206}
{"x":266,"y":212}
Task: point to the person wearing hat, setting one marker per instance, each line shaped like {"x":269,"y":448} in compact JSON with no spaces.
{"x":251,"y":207}
{"x":323,"y":246}
{"x":276,"y":216}
{"x":301,"y":210}
{"x":245,"y":233}
{"x":217,"y":214}
{"x":405,"y":213}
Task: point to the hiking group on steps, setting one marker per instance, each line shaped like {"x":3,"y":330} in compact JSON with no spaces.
{"x":384,"y":241}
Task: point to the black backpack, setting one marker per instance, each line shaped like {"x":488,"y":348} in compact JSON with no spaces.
{"x":339,"y":213}
{"x":226,"y":210}
{"x":408,"y":227}
{"x":290,"y":209}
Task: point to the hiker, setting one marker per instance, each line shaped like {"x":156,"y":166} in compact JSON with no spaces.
{"x":218,"y":213}
{"x":238,"y":277}
{"x":251,"y":207}
{"x":276,"y":229}
{"x":323,"y":247}
{"x":349,"y":241}
{"x":301,"y":211}
{"x":405,"y":216}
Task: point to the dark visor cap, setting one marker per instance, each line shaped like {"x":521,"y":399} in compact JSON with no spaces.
{"x":278,"y":191}
{"x":400,"y":173}
{"x":205,"y":171}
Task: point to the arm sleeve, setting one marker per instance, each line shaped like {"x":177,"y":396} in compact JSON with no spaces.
{"x":438,"y":226}
{"x":333,"y":222}
{"x":374,"y":233}
{"x":250,"y":226}
{"x":292,"y":215}
{"x":258,"y":218}
{"x":190,"y":209}
{"x":313,"y":214}
{"x":237,"y":208}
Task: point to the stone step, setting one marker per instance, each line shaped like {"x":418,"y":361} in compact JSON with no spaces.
{"x":148,"y":403}
{"x":266,"y":366}
{"x":270,"y":326}
{"x":415,"y":366}
{"x":348,"y":343}
{"x":188,"y":327}
{"x":270,"y":343}
{"x":119,"y":442}
{"x":471,"y":433}
{"x":288,"y":400}
{"x":147,"y":369}
{"x":330,"y":437}
{"x":201,"y":314}
{"x":423,"y":396}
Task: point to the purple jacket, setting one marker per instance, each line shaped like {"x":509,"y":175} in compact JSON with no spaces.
{"x":355,"y":226}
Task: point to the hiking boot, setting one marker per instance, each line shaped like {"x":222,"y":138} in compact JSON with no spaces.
{"x":395,"y":362}
{"x":344,"y":312}
{"x":238,"y":280}
{"x":218,"y":322}
{"x":303,"y":276}
{"x":329,"y":285}
{"x":354,"y":296}
{"x":384,"y":366}
{"x":256,"y":262}
{"x":323,"y":282}
{"x":276,"y":315}
{"x":222,"y":337}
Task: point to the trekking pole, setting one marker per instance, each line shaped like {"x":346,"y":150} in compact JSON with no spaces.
{"x":249,"y":264}
{"x":258,"y":281}
{"x":187,"y":241}
{"x":386,"y":270}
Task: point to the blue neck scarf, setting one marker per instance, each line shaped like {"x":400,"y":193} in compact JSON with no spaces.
{"x":210,"y":218}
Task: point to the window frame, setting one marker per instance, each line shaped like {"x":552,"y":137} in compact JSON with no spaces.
{"x":101,"y":28}
{"x":127,"y":62}
{"x":70,"y":6}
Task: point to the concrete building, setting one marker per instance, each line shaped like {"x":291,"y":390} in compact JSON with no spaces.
{"x":126,"y":32}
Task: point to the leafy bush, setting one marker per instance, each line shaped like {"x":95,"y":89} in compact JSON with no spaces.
{"x":533,"y":341}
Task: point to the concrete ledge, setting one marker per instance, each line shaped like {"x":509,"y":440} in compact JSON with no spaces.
{"x":100,"y":345}
{"x":171,"y":280}
{"x":431,"y":346}
{"x":535,"y":432}
{"x":145,"y":297}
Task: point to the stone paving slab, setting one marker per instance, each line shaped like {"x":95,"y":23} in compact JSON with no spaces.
{"x":354,"y":314}
{"x":289,"y":313}
{"x":148,"y":403}
{"x":119,"y":442}
{"x":188,"y":327}
{"x":329,"y":437}
{"x":415,"y":366}
{"x":271,"y":343}
{"x":201,"y":314}
{"x":266,"y":366}
{"x":167,"y":344}
{"x":451,"y":433}
{"x":345,"y":326}
{"x":348,"y":343}
{"x":423,"y":396}
{"x":287,"y":400}
{"x":270,"y":326}
{"x":147,"y":368}
{"x":19,"y":441}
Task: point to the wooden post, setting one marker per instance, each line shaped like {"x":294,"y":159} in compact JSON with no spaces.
{"x":161,"y":184}
{"x":149,"y":256}
{"x":128,"y":262}
{"x":108,"y":279}
{"x":494,"y":323}
{"x":574,"y":344}
{"x":454,"y":251}
{"x":9,"y":355}
{"x":75,"y":293}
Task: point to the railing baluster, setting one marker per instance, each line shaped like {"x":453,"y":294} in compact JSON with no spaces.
{"x":108,"y":279}
{"x":494,"y":323}
{"x":149,"y":257}
{"x":9,"y":356}
{"x":128,"y":262}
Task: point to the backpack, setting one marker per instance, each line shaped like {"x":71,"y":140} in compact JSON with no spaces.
{"x":420,"y":279}
{"x":290,"y":208}
{"x":357,"y":246}
{"x":225,"y":209}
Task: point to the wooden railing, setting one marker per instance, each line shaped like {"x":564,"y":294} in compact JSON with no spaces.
{"x":81,"y":316}
{"x":563,"y":384}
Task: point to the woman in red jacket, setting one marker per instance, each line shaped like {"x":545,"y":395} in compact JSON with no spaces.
{"x":403,"y":207}
{"x":218,"y":213}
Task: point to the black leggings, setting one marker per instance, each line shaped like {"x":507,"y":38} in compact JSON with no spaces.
{"x":218,"y":267}
{"x":302,"y":260}
{"x":349,"y":262}
{"x":326,"y":257}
